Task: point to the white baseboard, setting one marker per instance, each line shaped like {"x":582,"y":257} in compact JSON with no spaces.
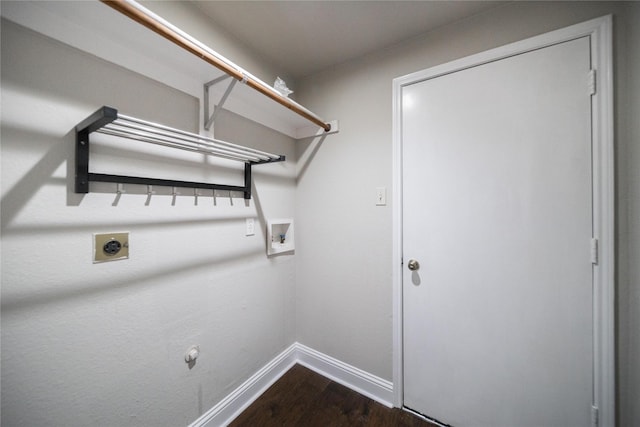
{"x":349,"y":376}
{"x":237,"y":401}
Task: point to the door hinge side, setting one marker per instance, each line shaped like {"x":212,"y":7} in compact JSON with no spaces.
{"x":594,"y":416}
{"x":592,"y":82}
{"x":594,"y":251}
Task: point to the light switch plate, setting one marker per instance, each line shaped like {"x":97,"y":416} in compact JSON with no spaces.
{"x":381,"y":196}
{"x":110,"y":246}
{"x":250,"y":227}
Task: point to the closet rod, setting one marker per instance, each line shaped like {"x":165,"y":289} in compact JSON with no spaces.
{"x":160,"y":26}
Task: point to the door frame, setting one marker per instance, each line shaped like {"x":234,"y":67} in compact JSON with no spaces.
{"x":600,"y":32}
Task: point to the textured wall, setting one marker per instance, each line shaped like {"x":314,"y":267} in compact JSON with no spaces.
{"x":344,"y":283}
{"x":103,"y":344}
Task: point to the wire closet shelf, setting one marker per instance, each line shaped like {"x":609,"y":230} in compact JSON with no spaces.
{"x":154,"y":133}
{"x":108,"y":121}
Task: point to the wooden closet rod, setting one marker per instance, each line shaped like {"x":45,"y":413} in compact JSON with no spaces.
{"x":147,"y":18}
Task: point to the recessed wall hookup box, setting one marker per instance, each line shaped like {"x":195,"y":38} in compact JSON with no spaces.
{"x":280,"y":236}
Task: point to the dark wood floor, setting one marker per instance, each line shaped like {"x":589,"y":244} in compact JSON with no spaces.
{"x":303,"y":398}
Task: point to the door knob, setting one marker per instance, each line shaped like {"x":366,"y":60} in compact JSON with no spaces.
{"x":413,"y":265}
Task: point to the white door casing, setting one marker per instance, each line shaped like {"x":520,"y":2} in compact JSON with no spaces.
{"x":598,"y":33}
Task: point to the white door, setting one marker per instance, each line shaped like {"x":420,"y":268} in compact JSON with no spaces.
{"x":497,"y":210}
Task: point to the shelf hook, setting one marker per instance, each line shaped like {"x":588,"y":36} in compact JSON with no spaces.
{"x":174,"y":194}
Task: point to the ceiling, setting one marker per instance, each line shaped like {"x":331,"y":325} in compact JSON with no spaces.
{"x":304,"y":37}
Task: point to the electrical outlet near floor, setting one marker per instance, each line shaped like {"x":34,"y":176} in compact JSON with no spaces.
{"x":110,"y":246}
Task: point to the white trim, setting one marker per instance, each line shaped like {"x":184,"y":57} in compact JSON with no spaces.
{"x":356,"y":379}
{"x":238,"y":400}
{"x":396,"y":248}
{"x":603,"y":222}
{"x":600,"y":32}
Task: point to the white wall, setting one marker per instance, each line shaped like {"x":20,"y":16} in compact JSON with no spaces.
{"x":343,"y":281}
{"x":103,"y":344}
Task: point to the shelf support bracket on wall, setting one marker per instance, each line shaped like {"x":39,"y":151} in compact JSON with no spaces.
{"x":210,"y":120}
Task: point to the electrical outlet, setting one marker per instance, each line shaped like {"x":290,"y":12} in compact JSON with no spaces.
{"x":110,"y":247}
{"x":250,"y":227}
